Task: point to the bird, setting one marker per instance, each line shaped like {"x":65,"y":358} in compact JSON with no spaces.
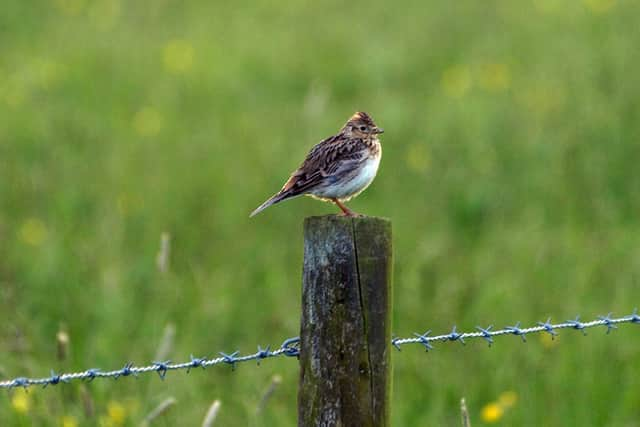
{"x":338,"y":168}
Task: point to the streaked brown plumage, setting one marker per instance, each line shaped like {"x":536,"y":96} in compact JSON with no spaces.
{"x":338,"y":168}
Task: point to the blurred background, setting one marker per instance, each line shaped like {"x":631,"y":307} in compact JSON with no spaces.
{"x":510,"y":171}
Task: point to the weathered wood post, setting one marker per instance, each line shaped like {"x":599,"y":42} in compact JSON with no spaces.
{"x":345,"y":330}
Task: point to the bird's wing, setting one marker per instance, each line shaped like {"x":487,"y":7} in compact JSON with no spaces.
{"x":326,"y":161}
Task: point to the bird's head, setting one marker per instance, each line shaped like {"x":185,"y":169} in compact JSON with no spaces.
{"x":361,"y":125}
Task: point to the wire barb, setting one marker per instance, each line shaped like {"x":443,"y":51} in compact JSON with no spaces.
{"x":291,"y":348}
{"x":486,"y":334}
{"x":548,"y":327}
{"x":577,"y":324}
{"x":161,"y":368}
{"x":394,"y":343}
{"x":91,"y":374}
{"x":423,"y":339}
{"x":195,"y":362}
{"x":515,"y":330}
{"x":230,"y":359}
{"x":607,"y":321}
{"x":455,"y":336}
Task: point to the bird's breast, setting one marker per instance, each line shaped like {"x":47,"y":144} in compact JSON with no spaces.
{"x":349,"y":186}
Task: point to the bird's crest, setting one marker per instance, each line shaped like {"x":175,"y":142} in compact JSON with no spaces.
{"x":361,"y":116}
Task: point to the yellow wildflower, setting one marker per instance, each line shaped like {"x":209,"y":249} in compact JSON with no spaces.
{"x":69,"y":421}
{"x":21,"y":401}
{"x":548,"y":340}
{"x":508,"y":399}
{"x":456,"y":81}
{"x":178,"y":56}
{"x":33,"y":232}
{"x":495,"y":77}
{"x":48,"y":73}
{"x":147,"y":121}
{"x":116,"y":413}
{"x":491,"y":413}
{"x":418,"y":158}
{"x":599,"y":6}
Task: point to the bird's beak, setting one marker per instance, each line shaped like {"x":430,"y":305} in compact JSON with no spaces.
{"x":378,"y":130}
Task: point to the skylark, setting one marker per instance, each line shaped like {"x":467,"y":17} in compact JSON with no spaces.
{"x":337,"y":168}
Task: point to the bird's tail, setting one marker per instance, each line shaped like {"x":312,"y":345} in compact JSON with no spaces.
{"x":276,"y":198}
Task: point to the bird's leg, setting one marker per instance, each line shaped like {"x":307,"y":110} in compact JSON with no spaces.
{"x":345,"y":210}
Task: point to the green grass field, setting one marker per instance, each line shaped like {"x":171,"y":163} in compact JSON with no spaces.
{"x":510,"y":171}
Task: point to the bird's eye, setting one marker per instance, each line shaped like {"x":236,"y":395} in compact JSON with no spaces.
{"x":363,"y":128}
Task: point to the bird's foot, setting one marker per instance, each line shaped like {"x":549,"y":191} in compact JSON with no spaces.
{"x":345,"y":210}
{"x":350,"y":214}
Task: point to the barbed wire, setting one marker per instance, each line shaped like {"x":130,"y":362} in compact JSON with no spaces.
{"x":487,"y":334}
{"x":290,"y":348}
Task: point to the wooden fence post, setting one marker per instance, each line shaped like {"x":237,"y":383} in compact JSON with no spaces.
{"x":345,"y":330}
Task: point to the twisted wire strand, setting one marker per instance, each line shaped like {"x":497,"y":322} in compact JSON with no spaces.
{"x":290,"y":348}
{"x":488,"y":334}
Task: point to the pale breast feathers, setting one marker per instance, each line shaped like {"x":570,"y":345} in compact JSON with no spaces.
{"x":326,"y":159}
